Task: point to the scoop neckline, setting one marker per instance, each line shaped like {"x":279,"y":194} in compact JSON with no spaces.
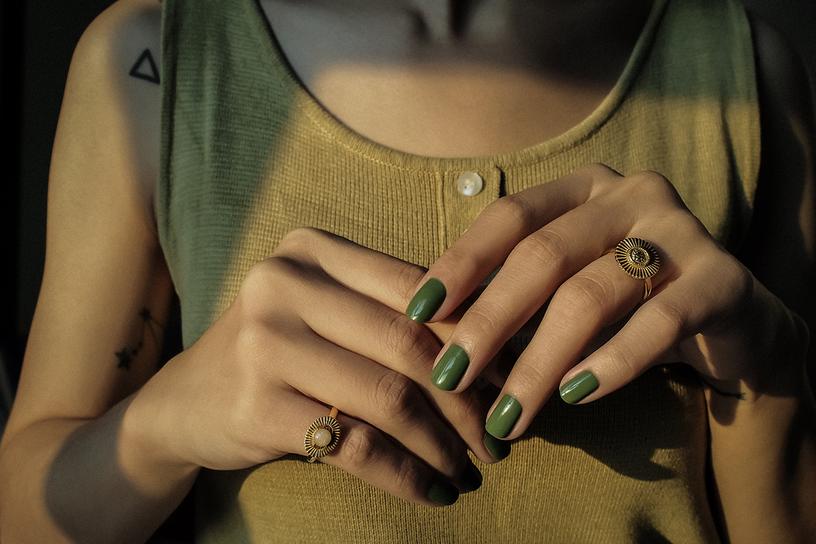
{"x":334,"y":129}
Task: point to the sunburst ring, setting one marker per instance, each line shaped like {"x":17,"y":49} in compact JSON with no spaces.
{"x":640,"y":259}
{"x":322,"y":436}
{"x":637,"y":257}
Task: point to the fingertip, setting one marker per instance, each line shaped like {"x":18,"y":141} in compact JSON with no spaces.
{"x":578,"y":388}
{"x":471,"y":479}
{"x":504,"y":417}
{"x":442,"y":493}
{"x":426,"y":301}
{"x":498,"y":449}
{"x":448,"y":372}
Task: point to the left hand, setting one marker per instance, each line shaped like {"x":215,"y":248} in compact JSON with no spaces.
{"x":553,"y":240}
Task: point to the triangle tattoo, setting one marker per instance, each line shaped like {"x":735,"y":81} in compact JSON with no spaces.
{"x":145,"y":68}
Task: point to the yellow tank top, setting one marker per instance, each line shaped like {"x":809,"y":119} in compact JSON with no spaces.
{"x":247,"y":154}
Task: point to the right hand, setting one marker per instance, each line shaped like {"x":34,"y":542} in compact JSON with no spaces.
{"x":319,"y":324}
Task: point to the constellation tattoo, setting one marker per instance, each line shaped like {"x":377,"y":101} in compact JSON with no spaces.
{"x":145,"y":68}
{"x":126,"y":355}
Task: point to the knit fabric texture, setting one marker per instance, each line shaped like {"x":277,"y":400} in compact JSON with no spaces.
{"x":247,"y":154}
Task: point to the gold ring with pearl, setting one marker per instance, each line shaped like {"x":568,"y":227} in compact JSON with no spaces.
{"x":322,"y":436}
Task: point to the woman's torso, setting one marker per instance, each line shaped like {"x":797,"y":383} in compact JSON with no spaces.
{"x":248,"y":155}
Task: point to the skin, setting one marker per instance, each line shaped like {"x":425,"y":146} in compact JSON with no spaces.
{"x":80,"y":416}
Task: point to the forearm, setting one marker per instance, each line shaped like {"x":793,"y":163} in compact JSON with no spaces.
{"x":86,"y":481}
{"x":764,"y":460}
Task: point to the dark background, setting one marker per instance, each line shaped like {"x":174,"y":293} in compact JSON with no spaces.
{"x":37,"y":39}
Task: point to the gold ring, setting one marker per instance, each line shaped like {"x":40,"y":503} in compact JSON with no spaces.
{"x":322,"y":436}
{"x":639,"y":259}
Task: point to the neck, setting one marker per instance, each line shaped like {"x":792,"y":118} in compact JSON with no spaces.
{"x":564,"y":38}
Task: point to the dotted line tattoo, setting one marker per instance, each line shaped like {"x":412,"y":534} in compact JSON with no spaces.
{"x":126,"y":355}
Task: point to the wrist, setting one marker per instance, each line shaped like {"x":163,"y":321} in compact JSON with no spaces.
{"x":146,"y":456}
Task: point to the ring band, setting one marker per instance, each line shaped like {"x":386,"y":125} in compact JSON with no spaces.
{"x":322,"y":436}
{"x":640,"y":259}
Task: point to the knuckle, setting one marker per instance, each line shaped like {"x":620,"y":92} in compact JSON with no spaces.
{"x":736,"y":282}
{"x":405,"y":338}
{"x":263,"y":274}
{"x":395,"y":397}
{"x":457,"y":263}
{"x":603,"y":177}
{"x":296,"y":240}
{"x":622,"y":360}
{"x":408,"y":475}
{"x":271,"y":275}
{"x":405,"y":281}
{"x":257,"y":278}
{"x":359,"y":448}
{"x":584,"y":296}
{"x":685,"y":225}
{"x":468,"y":408}
{"x":483,"y":322}
{"x":531,"y":376}
{"x":544,"y":248}
{"x":655,"y":184}
{"x":513,"y":210}
{"x":668,"y":316}
{"x":599,"y":169}
{"x":250,"y":340}
{"x":454,"y":459}
{"x":740,"y":277}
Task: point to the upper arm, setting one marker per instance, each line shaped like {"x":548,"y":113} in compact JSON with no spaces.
{"x":103,"y":263}
{"x":781,"y":245}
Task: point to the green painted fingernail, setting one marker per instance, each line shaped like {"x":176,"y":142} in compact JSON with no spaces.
{"x":499,"y":449}
{"x":427,"y":301}
{"x":450,"y":368}
{"x":579,"y":387}
{"x":442,"y":492}
{"x":472,"y":479}
{"x":501,"y":421}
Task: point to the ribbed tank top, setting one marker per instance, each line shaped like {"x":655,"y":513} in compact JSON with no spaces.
{"x":248,"y":154}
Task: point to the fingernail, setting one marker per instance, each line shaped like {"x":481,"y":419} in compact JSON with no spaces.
{"x":426,"y":301}
{"x":579,"y":387}
{"x":450,"y":368}
{"x":499,"y":449}
{"x":501,"y":421}
{"x":472,"y":478}
{"x":442,"y":492}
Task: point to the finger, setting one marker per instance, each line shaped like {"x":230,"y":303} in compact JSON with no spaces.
{"x":388,"y":337}
{"x":529,"y":277}
{"x":373,"y":393}
{"x":599,"y":294}
{"x":365,"y":452}
{"x":543,"y":260}
{"x":493,"y":235}
{"x":382,"y":277}
{"x":655,"y":328}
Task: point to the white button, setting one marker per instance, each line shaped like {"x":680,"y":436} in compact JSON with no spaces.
{"x":470,"y":183}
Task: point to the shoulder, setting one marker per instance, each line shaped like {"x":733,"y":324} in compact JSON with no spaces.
{"x":114,"y":80}
{"x":111,"y":39}
{"x":122,"y":22}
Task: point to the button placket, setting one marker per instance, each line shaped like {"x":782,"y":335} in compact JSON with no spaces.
{"x":466,"y":193}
